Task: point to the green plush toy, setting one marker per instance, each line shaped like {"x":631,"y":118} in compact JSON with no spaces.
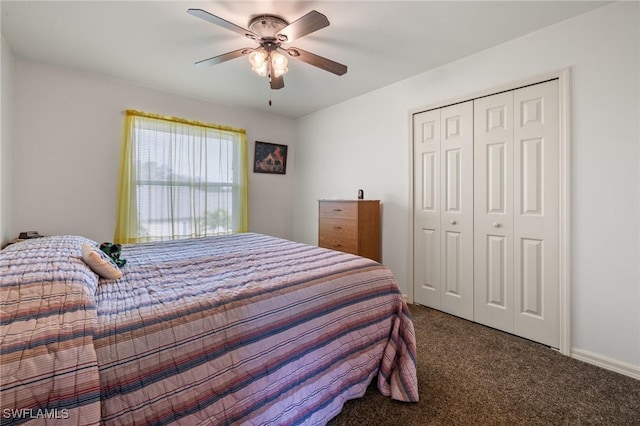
{"x":113,"y":251}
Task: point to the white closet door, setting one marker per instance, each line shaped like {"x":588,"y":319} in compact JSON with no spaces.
{"x":516,"y":267}
{"x":486,"y":211}
{"x":426,"y":172}
{"x":456,"y":219}
{"x":536,"y":219}
{"x":493,"y":263}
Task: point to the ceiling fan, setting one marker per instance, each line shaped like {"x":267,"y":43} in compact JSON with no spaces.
{"x":270,"y":32}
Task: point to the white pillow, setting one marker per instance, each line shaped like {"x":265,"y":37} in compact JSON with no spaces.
{"x":100,"y":262}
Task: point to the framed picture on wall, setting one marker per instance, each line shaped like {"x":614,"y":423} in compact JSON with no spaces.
{"x":270,"y":158}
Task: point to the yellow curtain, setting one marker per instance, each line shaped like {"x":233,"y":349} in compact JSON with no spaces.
{"x":180,"y":178}
{"x":244,"y":189}
{"x":126,"y":223}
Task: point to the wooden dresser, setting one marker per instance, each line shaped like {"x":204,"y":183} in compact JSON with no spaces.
{"x":351,"y":226}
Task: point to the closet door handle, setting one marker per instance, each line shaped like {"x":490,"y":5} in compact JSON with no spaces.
{"x":496,"y":225}
{"x":453,"y":222}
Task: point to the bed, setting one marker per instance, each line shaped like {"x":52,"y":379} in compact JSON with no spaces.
{"x":238,"y":329}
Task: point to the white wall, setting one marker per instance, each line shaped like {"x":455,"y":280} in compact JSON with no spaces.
{"x":67,"y":128}
{"x":6,"y":141}
{"x":364,"y":143}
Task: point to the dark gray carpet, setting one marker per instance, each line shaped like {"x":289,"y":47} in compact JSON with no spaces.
{"x":474,"y":375}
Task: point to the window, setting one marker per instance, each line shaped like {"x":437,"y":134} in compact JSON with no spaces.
{"x":180,"y":179}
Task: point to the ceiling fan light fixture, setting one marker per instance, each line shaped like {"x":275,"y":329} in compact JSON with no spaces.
{"x":258,"y":58}
{"x":279,"y":64}
{"x":262,"y":70}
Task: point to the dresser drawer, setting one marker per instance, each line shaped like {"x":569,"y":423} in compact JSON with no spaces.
{"x":344,"y":229}
{"x":340,"y":244}
{"x":338,"y":210}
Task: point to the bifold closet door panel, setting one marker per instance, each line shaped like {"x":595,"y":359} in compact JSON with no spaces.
{"x":493,"y":221}
{"x":516,"y":241}
{"x":426,"y":187}
{"x":536,"y":218}
{"x":456,"y":218}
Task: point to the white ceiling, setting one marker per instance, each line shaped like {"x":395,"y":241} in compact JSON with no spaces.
{"x":156,"y":43}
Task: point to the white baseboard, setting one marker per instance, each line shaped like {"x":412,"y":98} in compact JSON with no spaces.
{"x":606,"y":363}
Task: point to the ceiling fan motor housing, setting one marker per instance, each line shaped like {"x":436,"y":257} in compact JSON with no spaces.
{"x":267,"y":26}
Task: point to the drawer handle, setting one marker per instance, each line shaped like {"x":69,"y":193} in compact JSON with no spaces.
{"x":337,"y":245}
{"x":337,"y":210}
{"x":337,"y":228}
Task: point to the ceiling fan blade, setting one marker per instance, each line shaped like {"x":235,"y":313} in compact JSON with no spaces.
{"x":203,"y":14}
{"x":316,"y":60}
{"x":225,"y":57}
{"x":277,"y":82}
{"x":312,"y":21}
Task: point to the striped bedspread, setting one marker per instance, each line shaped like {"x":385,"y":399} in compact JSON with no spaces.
{"x":49,"y":370}
{"x":241,"y":329}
